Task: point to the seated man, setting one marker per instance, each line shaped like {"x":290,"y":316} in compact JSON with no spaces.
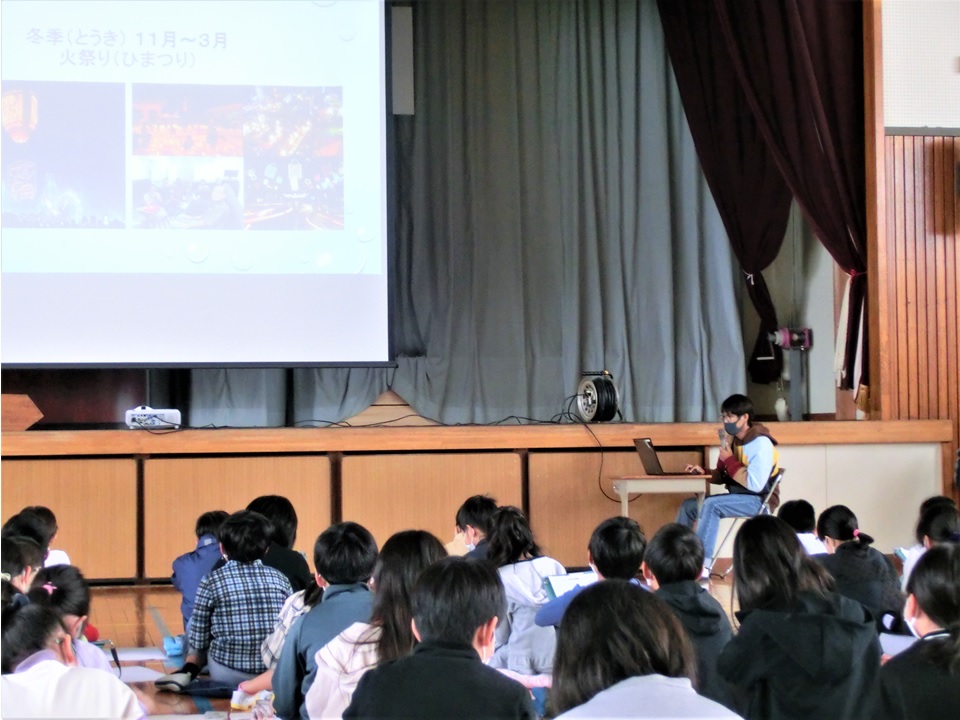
{"x":747,"y":467}
{"x":615,"y":550}
{"x":456,"y":605}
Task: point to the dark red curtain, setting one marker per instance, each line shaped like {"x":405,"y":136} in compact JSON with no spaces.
{"x":751,"y":195}
{"x":800,"y":63}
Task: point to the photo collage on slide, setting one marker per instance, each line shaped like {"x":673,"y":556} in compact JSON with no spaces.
{"x":202,"y":156}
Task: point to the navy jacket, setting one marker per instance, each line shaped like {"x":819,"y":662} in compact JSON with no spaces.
{"x":189,"y":569}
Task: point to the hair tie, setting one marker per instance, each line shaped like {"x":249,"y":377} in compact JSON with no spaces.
{"x":49,"y":587}
{"x":856,"y":533}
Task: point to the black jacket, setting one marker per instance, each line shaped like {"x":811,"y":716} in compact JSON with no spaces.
{"x":913,"y":687}
{"x":864,"y":574}
{"x":817,"y":659}
{"x":289,"y":562}
{"x":441,"y":681}
{"x":707,"y":626}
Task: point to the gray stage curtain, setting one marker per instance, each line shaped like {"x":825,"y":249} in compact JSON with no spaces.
{"x":552,"y":218}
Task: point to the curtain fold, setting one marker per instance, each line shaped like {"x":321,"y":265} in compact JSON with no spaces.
{"x":753,"y":200}
{"x":552,"y":218}
{"x":800,"y":63}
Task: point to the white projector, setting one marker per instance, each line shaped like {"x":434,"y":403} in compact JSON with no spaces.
{"x":146,"y":418}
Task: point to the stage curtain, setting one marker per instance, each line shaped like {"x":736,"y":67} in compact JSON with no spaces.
{"x":552,"y":218}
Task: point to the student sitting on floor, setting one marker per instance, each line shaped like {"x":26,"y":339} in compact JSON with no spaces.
{"x":923,"y":682}
{"x":189,"y":568}
{"x":235,"y":608}
{"x":473,"y":524}
{"x":938,"y":523}
{"x":615,"y":550}
{"x":344,"y":555}
{"x":63,"y":588}
{"x":21,"y":559}
{"x":622,"y":654}
{"x":522,"y":646}
{"x":910,"y":555}
{"x":803,"y":651}
{"x":388,"y":636}
{"x":860,"y":572}
{"x":800,"y":515}
{"x":42,"y":679}
{"x":671,"y":567}
{"x":456,"y":603}
{"x":49,"y":520}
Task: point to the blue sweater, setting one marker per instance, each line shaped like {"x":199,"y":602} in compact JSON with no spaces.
{"x":189,"y":569}
{"x":342,"y":606}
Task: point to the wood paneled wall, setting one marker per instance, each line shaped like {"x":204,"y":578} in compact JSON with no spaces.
{"x":923,"y":270}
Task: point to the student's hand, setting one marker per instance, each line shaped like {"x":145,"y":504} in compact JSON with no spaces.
{"x":725,"y":453}
{"x":884,"y":658}
{"x":694,"y":470}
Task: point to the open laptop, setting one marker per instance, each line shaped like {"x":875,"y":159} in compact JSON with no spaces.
{"x":648,"y":456}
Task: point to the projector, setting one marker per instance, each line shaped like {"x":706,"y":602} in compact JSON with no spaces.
{"x":147,"y":418}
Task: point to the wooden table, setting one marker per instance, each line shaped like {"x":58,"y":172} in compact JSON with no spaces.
{"x":628,"y":485}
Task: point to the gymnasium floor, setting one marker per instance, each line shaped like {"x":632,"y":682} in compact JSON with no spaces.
{"x":138,"y":617}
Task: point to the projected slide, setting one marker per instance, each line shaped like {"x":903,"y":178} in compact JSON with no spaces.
{"x":195,"y":138}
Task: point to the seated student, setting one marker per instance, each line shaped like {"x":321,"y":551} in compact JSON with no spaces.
{"x":41,"y":676}
{"x":860,"y":572}
{"x":910,"y":555}
{"x":456,"y":603}
{"x":671,"y":567}
{"x":522,"y":646}
{"x":20,"y":560}
{"x":923,"y":682}
{"x":344,"y":555}
{"x":473,"y":523}
{"x":622,"y":654}
{"x":800,"y":515}
{"x":615,"y":550}
{"x":939,"y":523}
{"x":49,"y":521}
{"x":234,"y":608}
{"x":803,"y":651}
{"x":388,"y":636}
{"x":189,"y":568}
{"x":63,"y":588}
{"x":27,"y":524}
{"x":747,"y":466}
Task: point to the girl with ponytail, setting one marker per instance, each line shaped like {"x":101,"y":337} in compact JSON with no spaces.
{"x":860,"y":572}
{"x":923,"y":682}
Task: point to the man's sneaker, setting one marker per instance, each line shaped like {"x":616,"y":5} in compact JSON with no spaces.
{"x":175,"y":682}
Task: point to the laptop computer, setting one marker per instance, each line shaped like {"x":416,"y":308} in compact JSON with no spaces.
{"x":648,"y":456}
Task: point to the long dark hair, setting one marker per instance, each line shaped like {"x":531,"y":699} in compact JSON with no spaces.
{"x":934,"y":584}
{"x":770,"y":566}
{"x":511,"y":538}
{"x":941,"y":523}
{"x":402,"y":558}
{"x":612,"y":631}
{"x":839,"y":522}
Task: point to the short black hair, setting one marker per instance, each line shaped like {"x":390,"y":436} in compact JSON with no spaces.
{"x":933,"y":583}
{"x":738,"y":405}
{"x":46,"y":517}
{"x":17,"y":553}
{"x":243,"y":536}
{"x":345,"y":553}
{"x":798,"y":514}
{"x":617,"y":546}
{"x":940,"y":523}
{"x":455,"y":596}
{"x":476,"y":511}
{"x":929,"y":503}
{"x":674,"y":554}
{"x":209,"y":523}
{"x":282,"y":516}
{"x":28,"y":524}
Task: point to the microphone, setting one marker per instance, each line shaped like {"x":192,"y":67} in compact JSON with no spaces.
{"x":722,"y":434}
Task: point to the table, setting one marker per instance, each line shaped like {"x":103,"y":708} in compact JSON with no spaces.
{"x":628,"y":485}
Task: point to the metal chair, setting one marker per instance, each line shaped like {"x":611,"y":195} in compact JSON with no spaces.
{"x":764,"y":510}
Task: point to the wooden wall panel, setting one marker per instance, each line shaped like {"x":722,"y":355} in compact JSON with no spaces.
{"x":95,"y":502}
{"x":560,"y":482}
{"x":178,"y":490}
{"x":387,"y":493}
{"x":923,"y":229}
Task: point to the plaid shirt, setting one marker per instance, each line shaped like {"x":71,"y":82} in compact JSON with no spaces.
{"x":272,"y":645}
{"x":235,"y":609}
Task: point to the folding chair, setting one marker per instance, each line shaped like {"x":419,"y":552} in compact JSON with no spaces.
{"x":764,"y":510}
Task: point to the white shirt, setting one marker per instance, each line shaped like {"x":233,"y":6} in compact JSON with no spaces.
{"x":649,"y":697}
{"x":56,"y":557}
{"x":43,"y":687}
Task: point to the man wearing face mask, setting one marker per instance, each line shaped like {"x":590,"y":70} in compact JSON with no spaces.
{"x":747,"y":466}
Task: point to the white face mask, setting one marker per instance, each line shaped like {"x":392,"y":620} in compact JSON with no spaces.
{"x":471,"y":547}
{"x":910,"y":625}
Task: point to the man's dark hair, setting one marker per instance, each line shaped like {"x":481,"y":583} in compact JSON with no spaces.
{"x":455,"y":596}
{"x":28,"y":524}
{"x":345,"y":553}
{"x":674,"y":554}
{"x":738,"y":405}
{"x":798,"y":514}
{"x":244,"y":536}
{"x":282,"y":516}
{"x":209,"y":523}
{"x":477,"y":511}
{"x":617,"y":546}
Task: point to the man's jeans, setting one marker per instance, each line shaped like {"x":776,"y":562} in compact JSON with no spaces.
{"x":716,"y":507}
